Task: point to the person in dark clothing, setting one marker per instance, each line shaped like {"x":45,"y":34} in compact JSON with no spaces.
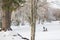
{"x":45,"y":29}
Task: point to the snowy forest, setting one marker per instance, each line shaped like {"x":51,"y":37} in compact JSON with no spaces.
{"x":29,"y":19}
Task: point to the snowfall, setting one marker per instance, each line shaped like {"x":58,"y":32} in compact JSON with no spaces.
{"x":53,"y":32}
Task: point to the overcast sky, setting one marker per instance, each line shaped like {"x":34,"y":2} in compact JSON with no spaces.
{"x":54,"y":3}
{"x":52,"y":0}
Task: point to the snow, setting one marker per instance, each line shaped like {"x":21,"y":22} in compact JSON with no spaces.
{"x":47,"y":36}
{"x":8,"y":35}
{"x":53,"y":32}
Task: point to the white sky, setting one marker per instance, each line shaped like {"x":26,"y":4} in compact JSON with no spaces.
{"x":52,"y":0}
{"x":54,"y":3}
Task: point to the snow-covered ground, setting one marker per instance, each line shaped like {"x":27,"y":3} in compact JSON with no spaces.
{"x":53,"y":32}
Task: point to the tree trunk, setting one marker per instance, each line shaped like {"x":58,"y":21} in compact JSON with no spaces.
{"x":6,"y":20}
{"x":33,"y":31}
{"x":33,"y":18}
{"x":6,"y":15}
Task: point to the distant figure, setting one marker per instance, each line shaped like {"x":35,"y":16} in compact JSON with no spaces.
{"x":44,"y":29}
